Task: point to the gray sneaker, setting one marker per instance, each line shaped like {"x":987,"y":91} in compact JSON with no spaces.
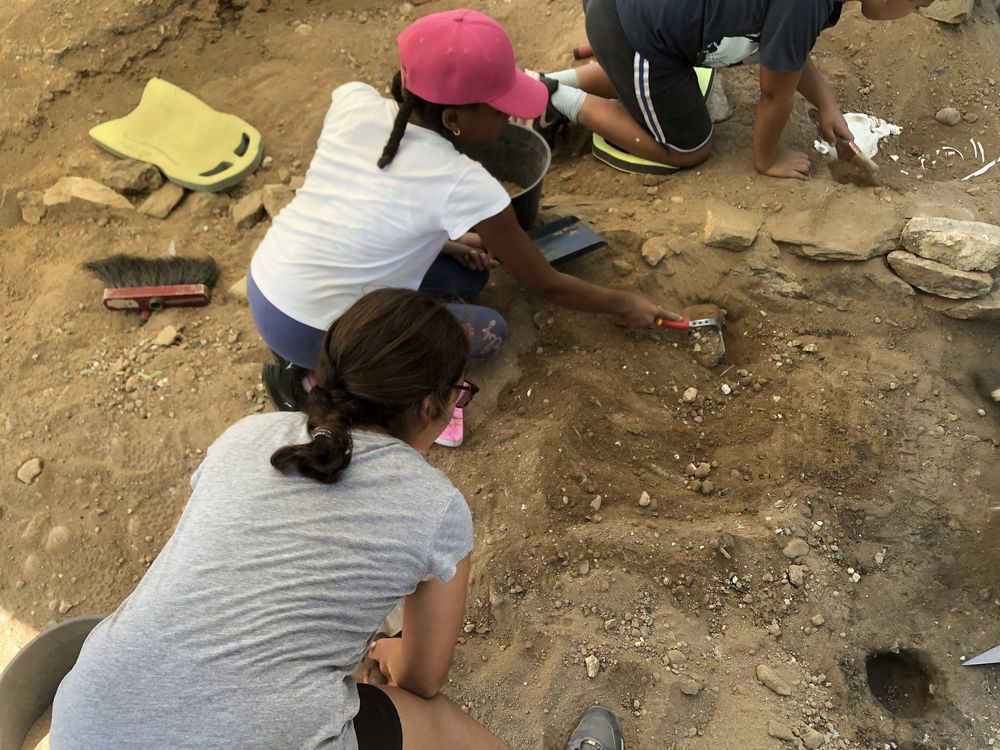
{"x":597,"y":730}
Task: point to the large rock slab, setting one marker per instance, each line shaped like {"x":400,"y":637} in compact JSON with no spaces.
{"x":937,"y":278}
{"x":965,"y":245}
{"x":986,"y":307}
{"x":948,"y":11}
{"x":847,"y":232}
{"x":730,"y":227}
{"x":84,"y":190}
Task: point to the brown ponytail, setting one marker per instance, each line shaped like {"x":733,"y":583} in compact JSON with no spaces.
{"x":379,"y":360}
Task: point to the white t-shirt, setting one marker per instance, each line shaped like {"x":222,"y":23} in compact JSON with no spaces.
{"x":353,"y":227}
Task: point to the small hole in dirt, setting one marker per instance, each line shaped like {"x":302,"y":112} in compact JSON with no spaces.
{"x":901,"y":682}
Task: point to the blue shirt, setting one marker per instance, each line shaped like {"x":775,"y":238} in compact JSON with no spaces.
{"x":779,"y":34}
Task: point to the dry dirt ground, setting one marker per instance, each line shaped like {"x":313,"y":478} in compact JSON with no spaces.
{"x":873,"y":446}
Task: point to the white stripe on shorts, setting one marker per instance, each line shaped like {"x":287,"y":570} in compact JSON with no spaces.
{"x":640,"y":81}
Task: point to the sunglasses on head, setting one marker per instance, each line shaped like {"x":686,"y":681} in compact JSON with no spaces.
{"x":466,"y":391}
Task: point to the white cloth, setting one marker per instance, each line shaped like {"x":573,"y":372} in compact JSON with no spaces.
{"x":353,"y":227}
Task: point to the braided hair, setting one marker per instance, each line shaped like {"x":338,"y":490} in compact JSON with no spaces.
{"x":409,"y":103}
{"x":378,"y":362}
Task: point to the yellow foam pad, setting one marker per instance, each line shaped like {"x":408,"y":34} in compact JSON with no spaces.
{"x":194,"y":145}
{"x":622,"y":160}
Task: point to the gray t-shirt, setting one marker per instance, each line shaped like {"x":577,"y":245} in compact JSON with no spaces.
{"x":245,"y":630}
{"x":779,"y":34}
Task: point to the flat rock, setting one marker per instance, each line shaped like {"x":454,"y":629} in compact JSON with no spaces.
{"x":30,"y":470}
{"x":937,"y":278}
{"x":248,"y":210}
{"x":676,"y":657}
{"x":986,"y":307}
{"x":131,"y":177}
{"x":965,"y":245}
{"x":654,"y":250}
{"x":773,"y":680}
{"x":162,"y":201}
{"x":795,"y":549}
{"x":774,"y":280}
{"x":826,"y":235}
{"x":948,"y":11}
{"x":730,"y":227}
{"x":84,"y":190}
{"x":877,"y":272}
{"x":779,"y":731}
{"x":10,"y":209}
{"x":276,"y":197}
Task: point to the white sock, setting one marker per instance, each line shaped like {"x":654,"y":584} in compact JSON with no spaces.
{"x":568,"y":77}
{"x":569,"y":101}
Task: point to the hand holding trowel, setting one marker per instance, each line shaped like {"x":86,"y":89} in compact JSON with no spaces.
{"x":847,"y":149}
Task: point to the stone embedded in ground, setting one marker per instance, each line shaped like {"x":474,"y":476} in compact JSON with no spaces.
{"x":131,"y":177}
{"x":986,"y":307}
{"x":773,"y":680}
{"x":10,"y":209}
{"x":690,"y":395}
{"x":296,"y":181}
{"x":729,"y":227}
{"x":276,"y":197}
{"x":248,"y":210}
{"x":82,"y":189}
{"x":166,"y":337}
{"x":937,"y":278}
{"x":204,"y":205}
{"x":654,"y":250}
{"x":948,"y":116}
{"x":690,"y":687}
{"x":239,"y":289}
{"x":29,"y":471}
{"x":838,"y":232}
{"x":593,"y":666}
{"x":948,"y":11}
{"x":796,"y":575}
{"x":813,"y":739}
{"x":877,"y":272}
{"x":676,"y":657}
{"x":795,"y":549}
{"x":644,"y":500}
{"x":57,"y":538}
{"x":775,"y":280}
{"x":964,"y":245}
{"x":622,"y":268}
{"x":33,"y":208}
{"x":162,"y":201}
{"x":779,"y":731}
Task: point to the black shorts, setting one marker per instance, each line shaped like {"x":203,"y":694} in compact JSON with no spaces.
{"x":377,"y":724}
{"x":668,"y":102}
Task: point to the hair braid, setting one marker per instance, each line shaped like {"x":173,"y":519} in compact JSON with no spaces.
{"x":398,"y":128}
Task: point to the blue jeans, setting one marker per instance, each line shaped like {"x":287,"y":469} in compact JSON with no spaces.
{"x":446,"y":278}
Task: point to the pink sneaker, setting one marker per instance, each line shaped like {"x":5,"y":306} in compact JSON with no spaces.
{"x":454,"y":432}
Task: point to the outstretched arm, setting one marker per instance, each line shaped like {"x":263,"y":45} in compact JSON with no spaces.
{"x":831,"y":123}
{"x":508,"y":242}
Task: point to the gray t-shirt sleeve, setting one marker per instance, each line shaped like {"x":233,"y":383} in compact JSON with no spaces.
{"x":452,"y":540}
{"x":790,"y":30}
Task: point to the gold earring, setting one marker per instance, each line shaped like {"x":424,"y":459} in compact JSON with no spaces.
{"x":456,"y":132}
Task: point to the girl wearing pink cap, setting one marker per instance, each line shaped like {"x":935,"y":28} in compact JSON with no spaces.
{"x":387,"y":190}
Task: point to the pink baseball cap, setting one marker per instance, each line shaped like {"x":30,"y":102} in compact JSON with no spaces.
{"x":465,"y":57}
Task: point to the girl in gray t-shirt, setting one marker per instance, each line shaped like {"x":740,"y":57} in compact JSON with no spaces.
{"x":302,"y":532}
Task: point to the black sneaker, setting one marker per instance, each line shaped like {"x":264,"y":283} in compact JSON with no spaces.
{"x":551,"y":122}
{"x":284,"y":386}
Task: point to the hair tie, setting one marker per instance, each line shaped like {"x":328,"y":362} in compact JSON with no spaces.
{"x":322,"y":432}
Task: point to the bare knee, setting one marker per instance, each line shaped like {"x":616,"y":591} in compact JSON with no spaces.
{"x":692,"y":158}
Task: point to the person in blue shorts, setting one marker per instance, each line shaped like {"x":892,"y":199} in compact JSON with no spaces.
{"x":643,"y":94}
